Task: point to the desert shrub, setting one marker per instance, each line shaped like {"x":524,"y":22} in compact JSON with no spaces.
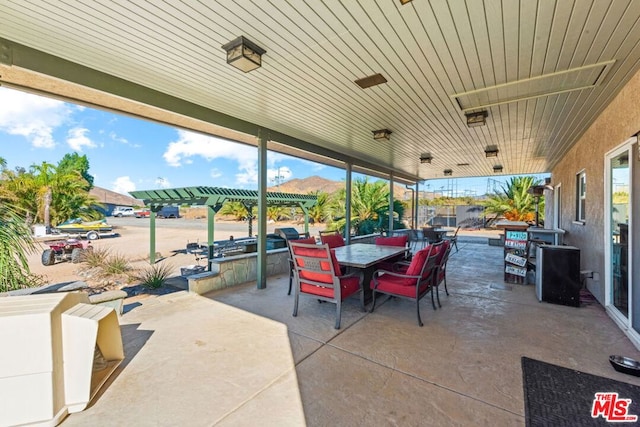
{"x":116,"y":264}
{"x":155,"y":276}
{"x":96,"y":257}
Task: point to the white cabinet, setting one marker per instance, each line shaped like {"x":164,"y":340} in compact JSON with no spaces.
{"x":45,"y":341}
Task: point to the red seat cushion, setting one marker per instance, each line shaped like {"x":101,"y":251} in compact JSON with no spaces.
{"x":414,"y":269}
{"x":398,"y":285}
{"x":392,"y":241}
{"x":333,"y":240}
{"x":348,"y":286}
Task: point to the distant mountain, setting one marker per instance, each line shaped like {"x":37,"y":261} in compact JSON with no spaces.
{"x":307,"y":185}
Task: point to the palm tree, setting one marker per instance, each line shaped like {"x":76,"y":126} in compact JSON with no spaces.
{"x":369,"y":207}
{"x":235,"y":209}
{"x":16,"y":242}
{"x":321,"y":210}
{"x":514,"y":201}
{"x":49,"y":194}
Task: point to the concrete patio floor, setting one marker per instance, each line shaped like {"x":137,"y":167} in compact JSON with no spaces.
{"x":238,"y":357}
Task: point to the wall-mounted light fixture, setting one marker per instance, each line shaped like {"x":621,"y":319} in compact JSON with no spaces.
{"x":448,"y":172}
{"x":497,"y":168}
{"x":382,"y":134}
{"x":476,"y":118}
{"x":244,"y":54}
{"x":491,"y":151}
{"x":426,"y":158}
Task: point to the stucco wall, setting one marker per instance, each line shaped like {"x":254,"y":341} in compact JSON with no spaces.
{"x":619,"y":121}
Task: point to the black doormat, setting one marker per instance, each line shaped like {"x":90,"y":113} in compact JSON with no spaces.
{"x":557,"y":396}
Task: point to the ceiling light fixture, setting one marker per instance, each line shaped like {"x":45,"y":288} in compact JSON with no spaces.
{"x":243,"y":54}
{"x":476,"y":118}
{"x":382,"y":134}
{"x":497,"y":168}
{"x":405,"y":1}
{"x":491,"y":151}
{"x":448,"y":172}
{"x":426,"y":158}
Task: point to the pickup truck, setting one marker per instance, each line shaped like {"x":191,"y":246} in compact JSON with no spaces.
{"x":141,"y":213}
{"x":165,"y":212}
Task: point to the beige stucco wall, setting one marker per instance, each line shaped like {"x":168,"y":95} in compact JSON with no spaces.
{"x":619,"y":121}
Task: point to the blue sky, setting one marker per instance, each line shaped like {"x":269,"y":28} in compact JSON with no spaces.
{"x":127,"y":154}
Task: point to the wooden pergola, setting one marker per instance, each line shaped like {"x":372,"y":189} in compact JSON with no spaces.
{"x":214,"y":198}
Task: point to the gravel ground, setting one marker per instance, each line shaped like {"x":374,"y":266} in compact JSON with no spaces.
{"x":132,"y":241}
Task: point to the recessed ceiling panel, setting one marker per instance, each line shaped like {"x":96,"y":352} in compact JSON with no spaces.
{"x":579,"y":78}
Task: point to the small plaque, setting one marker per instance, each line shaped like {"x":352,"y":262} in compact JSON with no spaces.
{"x":517,"y":271}
{"x":517,"y":244}
{"x":515,"y":259}
{"x":516,"y":235}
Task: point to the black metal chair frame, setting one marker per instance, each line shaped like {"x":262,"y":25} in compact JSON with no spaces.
{"x":429,"y":265}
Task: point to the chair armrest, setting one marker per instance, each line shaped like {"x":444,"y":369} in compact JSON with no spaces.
{"x":378,"y":273}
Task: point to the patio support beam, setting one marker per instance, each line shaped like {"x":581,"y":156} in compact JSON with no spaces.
{"x":347,"y":205}
{"x":390,"y":204}
{"x":262,"y":211}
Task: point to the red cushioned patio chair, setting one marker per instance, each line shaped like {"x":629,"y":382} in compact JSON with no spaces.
{"x":310,"y":241}
{"x":400,"y":241}
{"x":413,"y":284}
{"x":440,"y":269}
{"x":334,"y":240}
{"x":316,"y":272}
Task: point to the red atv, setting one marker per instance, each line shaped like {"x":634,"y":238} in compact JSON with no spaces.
{"x":65,"y":250}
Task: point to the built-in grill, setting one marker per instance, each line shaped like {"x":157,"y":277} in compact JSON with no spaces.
{"x":287,"y":233}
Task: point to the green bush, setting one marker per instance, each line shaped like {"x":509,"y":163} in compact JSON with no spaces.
{"x":116,"y":264}
{"x":155,"y":276}
{"x":96,"y":257}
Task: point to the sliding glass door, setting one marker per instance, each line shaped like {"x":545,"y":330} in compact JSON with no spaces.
{"x":618,"y":224}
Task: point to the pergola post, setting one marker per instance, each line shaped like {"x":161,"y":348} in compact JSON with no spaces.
{"x":152,"y":236}
{"x":211,"y":214}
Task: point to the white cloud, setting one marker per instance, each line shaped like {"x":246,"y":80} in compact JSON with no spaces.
{"x":190,"y":145}
{"x":34,"y":117}
{"x":163,"y":182}
{"x":215,"y":173}
{"x":123,"y":185}
{"x":77,"y":139}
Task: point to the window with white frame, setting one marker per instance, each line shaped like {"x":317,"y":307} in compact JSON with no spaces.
{"x":581,"y":196}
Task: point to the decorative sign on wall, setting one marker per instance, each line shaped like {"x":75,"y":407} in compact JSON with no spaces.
{"x":515,"y":259}
{"x":517,"y":271}
{"x":515,"y":239}
{"x":515,"y":256}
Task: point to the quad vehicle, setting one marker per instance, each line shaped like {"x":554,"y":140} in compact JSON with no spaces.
{"x":65,"y":250}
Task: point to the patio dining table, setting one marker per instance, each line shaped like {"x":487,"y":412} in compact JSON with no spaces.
{"x":366,"y":256}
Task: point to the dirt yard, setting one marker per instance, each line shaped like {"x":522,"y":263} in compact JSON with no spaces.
{"x":132,"y":241}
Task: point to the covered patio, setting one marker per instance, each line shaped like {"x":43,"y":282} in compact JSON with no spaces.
{"x":237,"y":356}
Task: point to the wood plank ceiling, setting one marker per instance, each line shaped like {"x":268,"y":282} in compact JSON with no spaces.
{"x":522,"y":60}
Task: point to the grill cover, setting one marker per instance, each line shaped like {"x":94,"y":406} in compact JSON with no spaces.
{"x":287,"y":233}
